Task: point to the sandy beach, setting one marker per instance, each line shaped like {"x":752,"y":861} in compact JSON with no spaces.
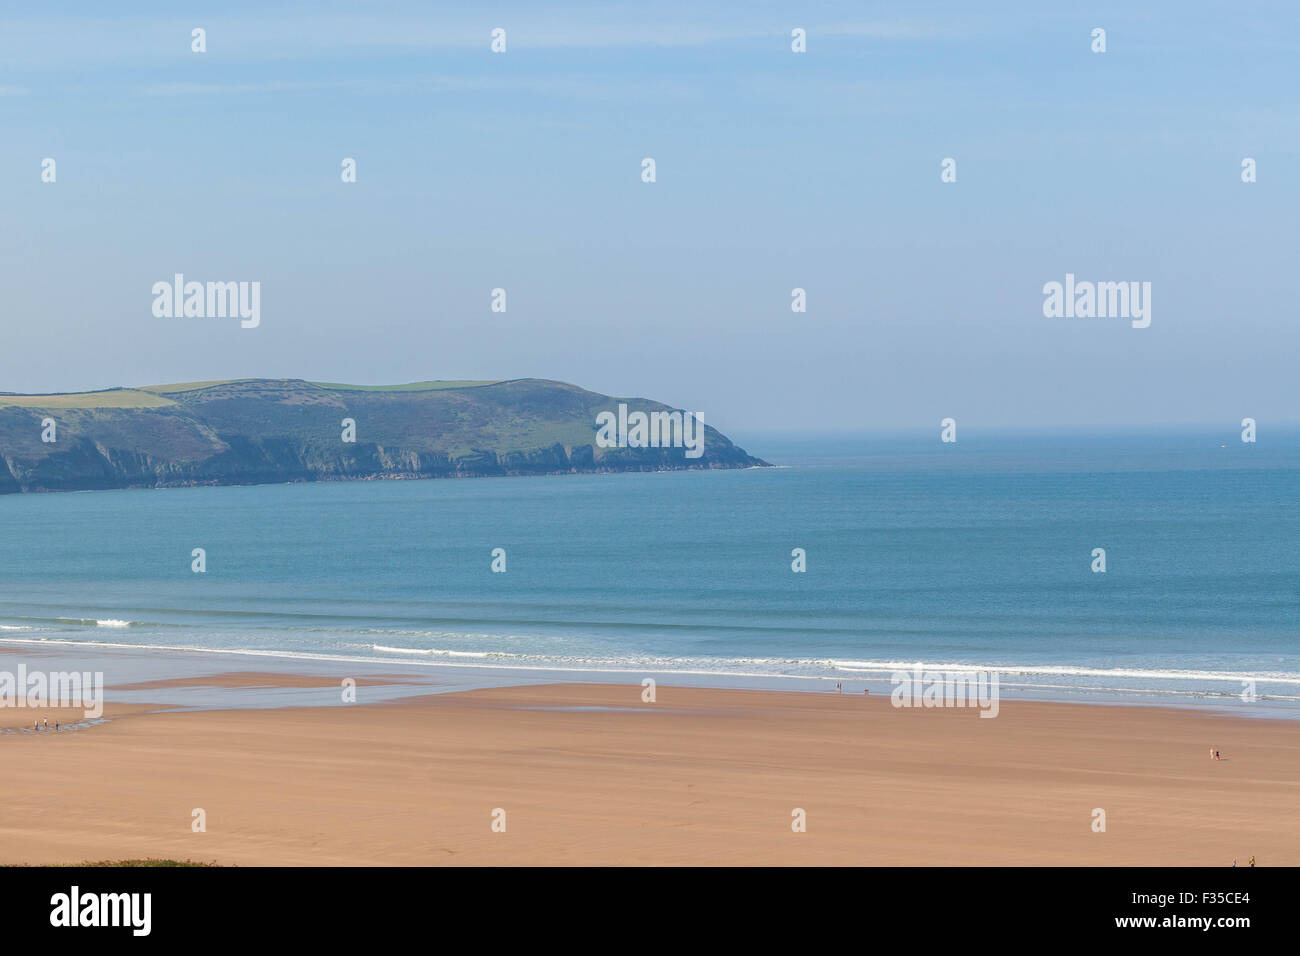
{"x":588,"y":774}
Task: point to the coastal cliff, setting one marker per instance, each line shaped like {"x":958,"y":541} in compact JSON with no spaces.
{"x":257,"y":431}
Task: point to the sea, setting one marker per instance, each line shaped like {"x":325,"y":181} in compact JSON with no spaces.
{"x":974,"y":555}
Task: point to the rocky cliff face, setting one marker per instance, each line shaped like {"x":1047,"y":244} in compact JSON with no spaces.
{"x":261,"y":431}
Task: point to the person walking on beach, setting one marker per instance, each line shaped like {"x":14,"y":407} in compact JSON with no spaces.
{"x":47,"y":723}
{"x":1252,"y":861}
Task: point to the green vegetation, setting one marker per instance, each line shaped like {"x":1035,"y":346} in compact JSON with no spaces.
{"x":249,"y":431}
{"x":110,"y":398}
{"x":190,"y":386}
{"x":150,"y":861}
{"x":410,"y":387}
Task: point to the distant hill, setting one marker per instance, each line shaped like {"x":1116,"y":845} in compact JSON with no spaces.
{"x":253,"y":431}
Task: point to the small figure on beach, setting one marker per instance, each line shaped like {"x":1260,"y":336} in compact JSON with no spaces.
{"x":1234,"y":863}
{"x":47,"y":723}
{"x":1252,"y":860}
{"x":56,"y":726}
{"x":865,"y":691}
{"x":1216,"y":756}
{"x":838,"y":688}
{"x":36,"y":725}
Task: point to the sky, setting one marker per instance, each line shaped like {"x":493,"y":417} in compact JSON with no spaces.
{"x":775,"y":170}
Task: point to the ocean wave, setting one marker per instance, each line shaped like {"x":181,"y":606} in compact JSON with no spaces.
{"x":95,"y":622}
{"x":1067,"y":670}
{"x":439,"y":652}
{"x":1072,"y":681}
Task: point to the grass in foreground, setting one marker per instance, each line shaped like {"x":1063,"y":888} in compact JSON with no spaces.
{"x":150,"y":861}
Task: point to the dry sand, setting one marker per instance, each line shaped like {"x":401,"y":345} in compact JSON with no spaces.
{"x":700,"y":777}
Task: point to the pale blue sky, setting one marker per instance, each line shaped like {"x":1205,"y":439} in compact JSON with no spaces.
{"x":775,"y":170}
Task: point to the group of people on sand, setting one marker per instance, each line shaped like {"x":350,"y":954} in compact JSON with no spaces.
{"x":36,"y":725}
{"x":1252,"y":861}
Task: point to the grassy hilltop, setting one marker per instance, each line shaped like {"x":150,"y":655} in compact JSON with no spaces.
{"x":251,"y":431}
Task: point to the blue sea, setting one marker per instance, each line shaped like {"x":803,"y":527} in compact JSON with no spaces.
{"x":977,"y":554}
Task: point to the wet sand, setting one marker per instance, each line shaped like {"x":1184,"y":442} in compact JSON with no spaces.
{"x":69,"y":718}
{"x":244,"y":679}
